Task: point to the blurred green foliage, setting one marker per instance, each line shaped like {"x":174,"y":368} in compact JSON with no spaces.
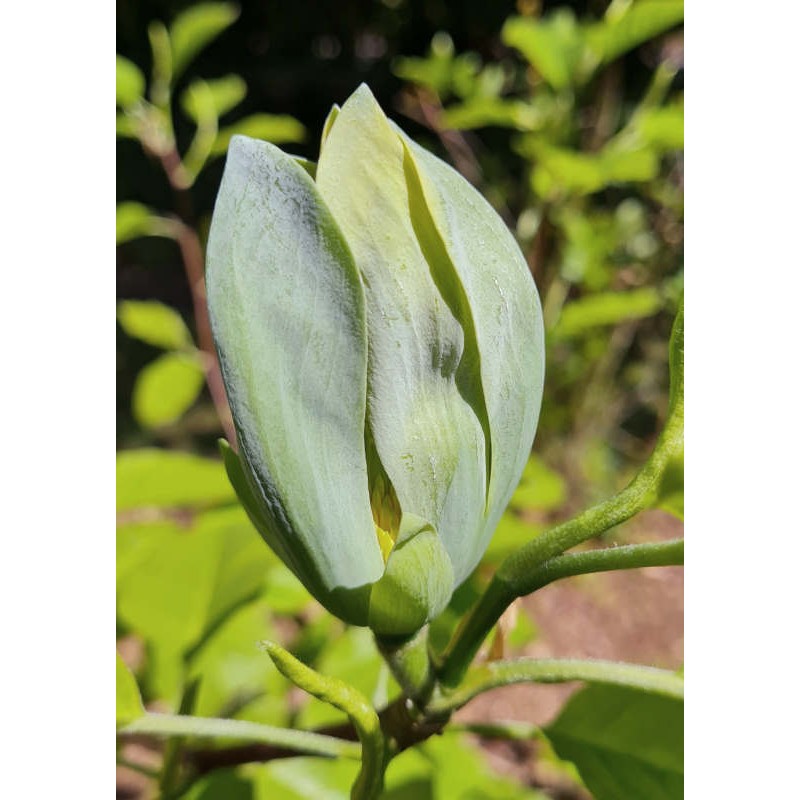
{"x":569,"y":118}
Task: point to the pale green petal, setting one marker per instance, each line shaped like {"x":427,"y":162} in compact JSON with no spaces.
{"x":422,"y":404}
{"x":493,"y":284}
{"x":287,"y":312}
{"x":417,"y":584}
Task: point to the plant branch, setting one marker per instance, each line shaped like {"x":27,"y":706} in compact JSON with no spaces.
{"x":557,"y":670}
{"x":285,"y":740}
{"x":632,"y":556}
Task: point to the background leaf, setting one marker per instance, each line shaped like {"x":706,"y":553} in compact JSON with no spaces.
{"x":195,"y":28}
{"x":635,"y":24}
{"x":166,"y":388}
{"x":555,"y":45}
{"x":625,"y":743}
{"x":223,"y":94}
{"x":275,"y":128}
{"x":148,"y":478}
{"x":154,"y":323}
{"x":178,"y":584}
{"x":130,"y":83}
{"x":135,"y":220}
{"x":608,"y":308}
{"x":129,"y":701}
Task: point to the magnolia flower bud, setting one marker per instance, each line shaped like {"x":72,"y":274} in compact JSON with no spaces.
{"x":381,"y":343}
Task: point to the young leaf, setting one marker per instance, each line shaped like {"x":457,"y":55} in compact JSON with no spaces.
{"x":154,"y":323}
{"x":195,"y":28}
{"x":635,"y":24}
{"x":135,"y":220}
{"x":151,"y":478}
{"x":221,"y":95}
{"x":606,"y":308}
{"x":555,"y":46}
{"x":129,"y":701}
{"x":275,"y":128}
{"x":130,"y":83}
{"x":540,"y":487}
{"x":624,"y":742}
{"x":166,"y":388}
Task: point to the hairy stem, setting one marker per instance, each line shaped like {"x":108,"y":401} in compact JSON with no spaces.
{"x":289,"y":740}
{"x":410,"y":664}
{"x":557,"y":670}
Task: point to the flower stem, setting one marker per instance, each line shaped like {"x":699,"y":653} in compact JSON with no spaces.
{"x":560,"y":670}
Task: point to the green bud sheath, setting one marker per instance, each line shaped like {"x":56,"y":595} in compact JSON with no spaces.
{"x":382,"y":348}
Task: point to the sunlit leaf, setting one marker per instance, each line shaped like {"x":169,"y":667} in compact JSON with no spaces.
{"x":217,"y":97}
{"x":130,"y":83}
{"x":151,"y":478}
{"x":178,"y":583}
{"x":624,"y":742}
{"x":275,"y":128}
{"x":633,"y":25}
{"x":670,"y":490}
{"x":555,"y":45}
{"x":482,"y":112}
{"x":195,"y":28}
{"x":435,"y":71}
{"x":166,"y":388}
{"x":606,"y":308}
{"x":560,"y":171}
{"x":662,"y":127}
{"x":232,"y":671}
{"x":135,"y":220}
{"x":512,"y":532}
{"x":154,"y":323}
{"x":129,"y":701}
{"x":540,"y":487}
{"x":304,"y":778}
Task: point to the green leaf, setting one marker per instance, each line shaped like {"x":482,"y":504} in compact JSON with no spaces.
{"x":624,"y":742}
{"x":287,"y":311}
{"x":305,"y":779}
{"x":154,"y":323}
{"x":606,"y":308}
{"x":216,"y":98}
{"x":135,"y":220}
{"x":151,"y":478}
{"x":460,"y":772}
{"x":130,"y":83}
{"x":512,"y":532}
{"x":540,"y":487}
{"x":276,"y":128}
{"x":560,"y":171}
{"x":555,"y":46}
{"x":195,"y":28}
{"x":129,"y":701}
{"x":230,"y":667}
{"x":481,"y":112}
{"x":670,"y":490}
{"x":166,"y":388}
{"x":630,"y":24}
{"x":177,"y":584}
{"x":662,"y":128}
